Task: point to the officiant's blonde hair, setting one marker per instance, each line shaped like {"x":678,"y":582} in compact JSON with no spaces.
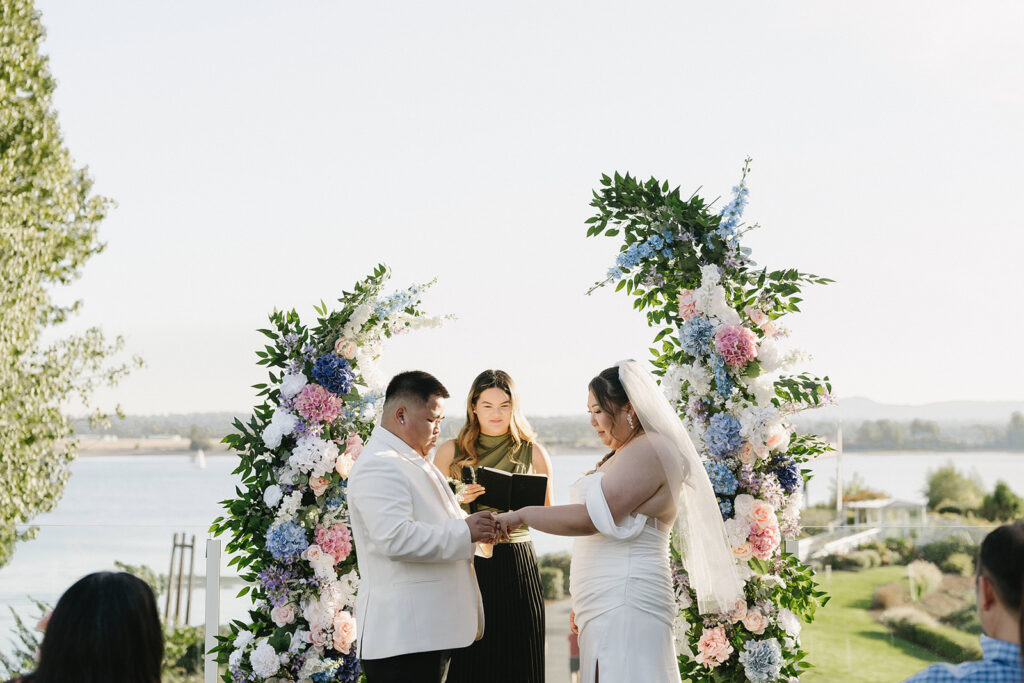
{"x":519,"y":429}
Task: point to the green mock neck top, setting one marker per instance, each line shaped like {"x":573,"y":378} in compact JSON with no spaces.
{"x":496,"y":452}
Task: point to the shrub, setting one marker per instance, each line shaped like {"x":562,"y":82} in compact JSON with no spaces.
{"x":938,"y":552}
{"x":1001,"y":504}
{"x":902,"y":548}
{"x":891,"y":595}
{"x":946,"y":642}
{"x":924,"y":577}
{"x":551,"y":580}
{"x":964,"y":619}
{"x":559,"y":561}
{"x":960,"y":564}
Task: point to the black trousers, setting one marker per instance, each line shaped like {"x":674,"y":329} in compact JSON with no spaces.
{"x":415,"y":667}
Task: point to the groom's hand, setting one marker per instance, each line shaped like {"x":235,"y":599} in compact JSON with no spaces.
{"x":482,"y":527}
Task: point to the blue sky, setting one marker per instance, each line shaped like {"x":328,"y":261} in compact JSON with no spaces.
{"x":269,"y":154}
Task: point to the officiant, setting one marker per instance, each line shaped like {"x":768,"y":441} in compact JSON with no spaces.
{"x":497,"y":436}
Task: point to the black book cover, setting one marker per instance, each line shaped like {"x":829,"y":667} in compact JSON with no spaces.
{"x":507,"y":491}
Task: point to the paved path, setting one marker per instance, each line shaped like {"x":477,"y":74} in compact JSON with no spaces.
{"x":556,"y":659}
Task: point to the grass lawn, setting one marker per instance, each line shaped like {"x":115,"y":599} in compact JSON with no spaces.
{"x":845,"y":644}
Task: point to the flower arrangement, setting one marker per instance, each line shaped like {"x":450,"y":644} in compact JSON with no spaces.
{"x":718,"y":353}
{"x":289,"y":525}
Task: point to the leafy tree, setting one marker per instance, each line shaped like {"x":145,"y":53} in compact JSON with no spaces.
{"x":48,"y":223}
{"x":946,"y":487}
{"x":1015,"y":431}
{"x":1002,"y":504}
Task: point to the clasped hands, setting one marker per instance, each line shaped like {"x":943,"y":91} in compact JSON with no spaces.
{"x":489,"y":527}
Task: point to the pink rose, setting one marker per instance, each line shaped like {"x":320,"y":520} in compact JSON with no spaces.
{"x":757,"y":316}
{"x":739,"y":611}
{"x":343,"y":465}
{"x":313,"y":554}
{"x":345,"y":348}
{"x":319,"y":485}
{"x":344,"y":631}
{"x":761,"y":451}
{"x":318,"y":637}
{"x":765,"y":541}
{"x":744,"y":551}
{"x":687,"y":304}
{"x":736,"y":344}
{"x":713,"y":648}
{"x":353,"y":446}
{"x":778,"y":439}
{"x":769,"y":329}
{"x":755,"y":622}
{"x":763,"y":515}
{"x":746,"y":454}
{"x":283,"y":614}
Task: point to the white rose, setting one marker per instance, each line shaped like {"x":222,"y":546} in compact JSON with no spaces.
{"x":744,"y":505}
{"x":265,"y":661}
{"x":777,"y":438}
{"x":285,"y":420}
{"x":292,"y":384}
{"x":737,"y":530}
{"x":244,"y":639}
{"x":236,"y":658}
{"x":790,"y":623}
{"x":272,"y":435}
{"x":272,"y":496}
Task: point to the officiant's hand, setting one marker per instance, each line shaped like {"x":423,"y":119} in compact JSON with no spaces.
{"x":482,"y":527}
{"x":471,"y":493}
{"x":508,"y":521}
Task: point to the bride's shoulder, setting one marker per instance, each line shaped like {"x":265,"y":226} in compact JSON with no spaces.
{"x":644,"y":445}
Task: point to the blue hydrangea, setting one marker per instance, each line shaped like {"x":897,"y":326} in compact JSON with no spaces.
{"x":761,"y":660}
{"x":333,"y":373}
{"x":286,"y":541}
{"x":696,"y":335}
{"x":788,"y":475}
{"x":723,"y":382}
{"x":725,"y":505}
{"x":722,"y":479}
{"x":722,"y":436}
{"x":336,"y":497}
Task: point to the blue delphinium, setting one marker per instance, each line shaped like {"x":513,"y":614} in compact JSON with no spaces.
{"x":396,"y":302}
{"x":725,"y":505}
{"x":722,"y":479}
{"x":333,"y":373}
{"x":614,"y":273}
{"x":722,"y":436}
{"x":733,"y":211}
{"x":723,"y":382}
{"x":666,"y":253}
{"x":761,"y":660}
{"x":646,"y":251}
{"x":656,"y":241}
{"x":630,"y":258}
{"x":788,"y":475}
{"x":668,"y":236}
{"x":286,"y":541}
{"x":696,"y":335}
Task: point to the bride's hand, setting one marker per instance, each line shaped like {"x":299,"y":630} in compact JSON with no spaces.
{"x":508,"y":521}
{"x":471,"y":493}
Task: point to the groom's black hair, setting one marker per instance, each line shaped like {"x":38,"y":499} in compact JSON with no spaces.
{"x":415,"y":384}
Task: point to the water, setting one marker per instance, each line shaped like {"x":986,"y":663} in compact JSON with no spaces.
{"x":128,"y":507}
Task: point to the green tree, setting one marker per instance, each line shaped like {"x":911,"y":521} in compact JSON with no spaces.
{"x":48,"y":223}
{"x":946,"y":487}
{"x":1015,"y":431}
{"x":1002,"y":504}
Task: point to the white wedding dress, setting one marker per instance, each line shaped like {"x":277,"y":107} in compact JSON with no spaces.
{"x":621,"y":587}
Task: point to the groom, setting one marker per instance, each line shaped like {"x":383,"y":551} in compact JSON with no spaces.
{"x":418,"y":598}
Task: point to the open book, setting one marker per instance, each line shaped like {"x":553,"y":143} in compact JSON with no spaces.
{"x":507,"y":491}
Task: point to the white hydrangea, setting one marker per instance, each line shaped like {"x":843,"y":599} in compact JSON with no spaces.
{"x":737,"y":531}
{"x":790,"y":623}
{"x":244,"y":639}
{"x":264,"y":659}
{"x":272,"y":495}
{"x":744,"y":505}
{"x":292,"y":384}
{"x":680,"y":627}
{"x":698,"y":377}
{"x":672,"y":384}
{"x":313,"y":454}
{"x":768,"y":355}
{"x":755,"y":420}
{"x":762,"y":388}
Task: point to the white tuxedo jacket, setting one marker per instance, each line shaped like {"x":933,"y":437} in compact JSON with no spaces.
{"x":418,"y":591}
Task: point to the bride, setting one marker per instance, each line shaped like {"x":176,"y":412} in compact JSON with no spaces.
{"x":622,"y":512}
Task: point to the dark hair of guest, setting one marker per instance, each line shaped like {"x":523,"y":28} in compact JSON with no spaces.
{"x":611,"y":396}
{"x":414,"y":384}
{"x":104,"y":628}
{"x":1001,"y":560}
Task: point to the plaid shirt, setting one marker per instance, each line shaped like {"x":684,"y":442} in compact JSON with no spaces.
{"x":1000,"y":664}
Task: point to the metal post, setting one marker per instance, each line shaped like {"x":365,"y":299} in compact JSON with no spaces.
{"x":170,"y":575}
{"x":181,"y":571}
{"x":191,"y":573}
{"x":210,"y":673}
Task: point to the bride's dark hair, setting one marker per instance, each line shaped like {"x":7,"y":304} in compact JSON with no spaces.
{"x":611,"y":396}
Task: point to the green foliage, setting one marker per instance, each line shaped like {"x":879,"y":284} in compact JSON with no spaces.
{"x":937,"y":552}
{"x":1002,"y":504}
{"x":946,"y":488}
{"x":48,"y":230}
{"x":551,"y":581}
{"x":948,"y":643}
{"x":26,"y":642}
{"x":924,"y":578}
{"x":960,"y":564}
{"x":560,"y":561}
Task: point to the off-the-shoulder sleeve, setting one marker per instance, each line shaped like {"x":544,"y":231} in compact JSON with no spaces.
{"x":601,"y":515}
